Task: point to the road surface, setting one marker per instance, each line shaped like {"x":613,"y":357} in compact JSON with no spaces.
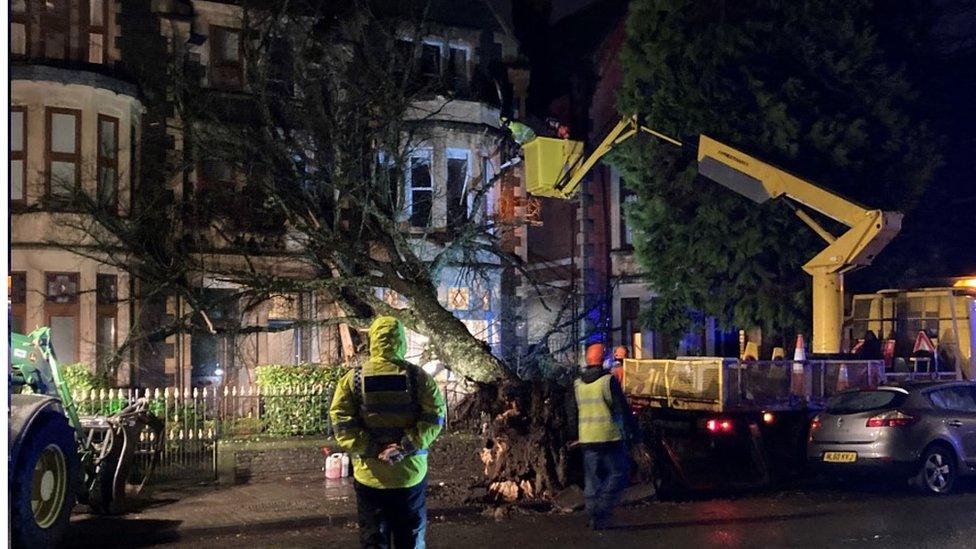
{"x":866,"y":515}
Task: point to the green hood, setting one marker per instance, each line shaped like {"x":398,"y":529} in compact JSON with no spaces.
{"x":387,"y":340}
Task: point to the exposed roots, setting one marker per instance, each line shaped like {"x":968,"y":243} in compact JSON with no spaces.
{"x":524,"y":426}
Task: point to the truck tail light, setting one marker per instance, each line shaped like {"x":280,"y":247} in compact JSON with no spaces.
{"x":891,"y":419}
{"x":815,"y":424}
{"x":719,"y":426}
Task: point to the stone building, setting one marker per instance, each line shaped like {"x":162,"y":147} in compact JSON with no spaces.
{"x":91,"y":110}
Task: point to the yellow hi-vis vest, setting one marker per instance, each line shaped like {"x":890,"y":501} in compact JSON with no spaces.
{"x":596,"y":421}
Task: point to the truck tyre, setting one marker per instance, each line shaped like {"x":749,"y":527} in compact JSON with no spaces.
{"x":937,"y":470}
{"x":44,"y":481}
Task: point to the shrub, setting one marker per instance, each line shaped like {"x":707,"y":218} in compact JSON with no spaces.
{"x":306,"y":410}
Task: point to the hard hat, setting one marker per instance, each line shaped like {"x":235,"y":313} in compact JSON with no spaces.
{"x":594,"y":354}
{"x":620,"y":352}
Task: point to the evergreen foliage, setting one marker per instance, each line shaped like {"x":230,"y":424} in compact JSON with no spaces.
{"x":801,"y":85}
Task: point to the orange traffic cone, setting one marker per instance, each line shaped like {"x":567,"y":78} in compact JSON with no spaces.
{"x":798,"y":380}
{"x":842,"y":382}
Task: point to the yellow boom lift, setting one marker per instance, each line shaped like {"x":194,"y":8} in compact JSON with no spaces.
{"x":555,"y":168}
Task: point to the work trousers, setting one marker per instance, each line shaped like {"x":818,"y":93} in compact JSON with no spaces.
{"x":392,"y":514}
{"x":606,"y":470}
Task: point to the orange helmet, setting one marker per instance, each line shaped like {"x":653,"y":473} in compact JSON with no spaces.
{"x":594,"y":354}
{"x":620,"y":352}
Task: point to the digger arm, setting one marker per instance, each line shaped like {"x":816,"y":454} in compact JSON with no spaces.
{"x":868,"y":233}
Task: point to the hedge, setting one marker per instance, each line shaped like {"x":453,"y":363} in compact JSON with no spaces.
{"x":303,"y":412}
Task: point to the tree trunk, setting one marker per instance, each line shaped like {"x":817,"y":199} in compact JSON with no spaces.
{"x":461,"y":352}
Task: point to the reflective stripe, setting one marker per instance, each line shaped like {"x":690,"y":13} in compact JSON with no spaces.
{"x":591,"y":401}
{"x":421,"y":452}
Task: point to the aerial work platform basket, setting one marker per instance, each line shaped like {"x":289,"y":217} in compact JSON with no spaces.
{"x":549,"y":162}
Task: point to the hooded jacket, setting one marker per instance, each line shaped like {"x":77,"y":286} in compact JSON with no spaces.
{"x":387,"y":401}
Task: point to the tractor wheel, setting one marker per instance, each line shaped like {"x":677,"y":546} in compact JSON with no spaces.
{"x":44,"y":482}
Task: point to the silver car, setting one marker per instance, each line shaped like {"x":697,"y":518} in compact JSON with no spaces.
{"x":926,"y":431}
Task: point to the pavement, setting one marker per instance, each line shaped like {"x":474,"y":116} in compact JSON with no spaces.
{"x":313,"y":512}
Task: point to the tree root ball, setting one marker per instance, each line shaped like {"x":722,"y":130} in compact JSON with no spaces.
{"x":524,"y":429}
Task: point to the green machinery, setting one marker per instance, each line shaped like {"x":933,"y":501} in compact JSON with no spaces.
{"x":57,"y":457}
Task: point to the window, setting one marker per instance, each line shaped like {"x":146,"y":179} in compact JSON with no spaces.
{"x":19,"y":28}
{"x":108,"y":162}
{"x":629,"y":325}
{"x":458,"y":69}
{"x":959,"y":398}
{"x":97,"y":25}
{"x":106,"y":327}
{"x":17,"y":289}
{"x":458,"y":201}
{"x":63,"y":152}
{"x":430,"y":60}
{"x":225,"y":58}
{"x":18,"y":155}
{"x":458,"y":299}
{"x":216,"y":174}
{"x":420,"y":190}
{"x":627,"y":197}
{"x":54,"y":28}
{"x":61,"y":308}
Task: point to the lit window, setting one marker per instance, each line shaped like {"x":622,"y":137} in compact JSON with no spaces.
{"x":458,"y":299}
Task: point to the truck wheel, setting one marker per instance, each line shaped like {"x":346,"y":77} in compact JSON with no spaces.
{"x":45,"y":478}
{"x":937,"y":470}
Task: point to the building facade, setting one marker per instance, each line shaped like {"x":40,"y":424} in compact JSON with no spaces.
{"x":90,"y":113}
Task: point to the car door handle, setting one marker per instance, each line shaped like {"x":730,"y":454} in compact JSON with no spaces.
{"x":954,"y":423}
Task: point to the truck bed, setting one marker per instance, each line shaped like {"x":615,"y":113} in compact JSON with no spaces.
{"x":721,"y":385}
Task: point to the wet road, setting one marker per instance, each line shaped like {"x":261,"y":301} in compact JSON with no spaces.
{"x":818,"y":516}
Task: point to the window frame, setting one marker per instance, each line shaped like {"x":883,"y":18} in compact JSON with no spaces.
{"x":217,"y":65}
{"x":106,"y":308}
{"x":18,"y":307}
{"x":624,"y":193}
{"x":71,"y":309}
{"x":22,"y":18}
{"x":50,"y":156}
{"x":466,"y":155}
{"x":107,"y":162}
{"x":466,"y":85}
{"x":20,"y":155}
{"x":51,"y":20}
{"x":409,"y":188}
{"x":89,"y":29}
{"x":421,"y":70}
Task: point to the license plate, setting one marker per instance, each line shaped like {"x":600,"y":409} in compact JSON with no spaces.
{"x":840,"y":457}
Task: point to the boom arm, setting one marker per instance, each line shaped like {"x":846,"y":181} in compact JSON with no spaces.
{"x":869,"y":230}
{"x":624,"y":130}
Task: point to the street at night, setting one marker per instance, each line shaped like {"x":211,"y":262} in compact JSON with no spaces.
{"x":400,"y":274}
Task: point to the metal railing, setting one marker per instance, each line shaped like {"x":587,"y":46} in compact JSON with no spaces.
{"x":195,"y":419}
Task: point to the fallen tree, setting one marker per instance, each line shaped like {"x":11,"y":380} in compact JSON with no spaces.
{"x":295,"y":184}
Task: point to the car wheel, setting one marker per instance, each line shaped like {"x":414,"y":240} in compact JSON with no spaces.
{"x":937,"y":471}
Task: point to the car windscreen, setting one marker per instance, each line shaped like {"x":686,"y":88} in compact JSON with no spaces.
{"x":864,"y":401}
